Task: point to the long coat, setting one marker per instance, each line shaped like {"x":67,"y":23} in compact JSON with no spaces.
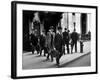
{"x":48,"y":40}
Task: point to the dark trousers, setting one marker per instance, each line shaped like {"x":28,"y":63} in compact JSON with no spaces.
{"x":58,"y":58}
{"x":49,"y":54}
{"x":74,"y":43}
{"x":67,"y":45}
{"x":59,"y":55}
{"x":35,"y":48}
{"x":43,"y":48}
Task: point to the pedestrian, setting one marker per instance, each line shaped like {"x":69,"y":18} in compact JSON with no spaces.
{"x":50,"y":42}
{"x":66,"y":39}
{"x":59,"y":43}
{"x":43,"y":43}
{"x":34,"y":40}
{"x":74,"y":39}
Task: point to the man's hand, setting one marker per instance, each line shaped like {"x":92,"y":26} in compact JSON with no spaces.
{"x":54,"y":48}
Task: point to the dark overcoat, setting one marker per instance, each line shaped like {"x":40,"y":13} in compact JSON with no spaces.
{"x":58,"y":42}
{"x":66,"y":37}
{"x":74,"y":37}
{"x":42,"y":41}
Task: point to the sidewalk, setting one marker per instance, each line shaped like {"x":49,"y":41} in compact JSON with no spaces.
{"x":33,"y":61}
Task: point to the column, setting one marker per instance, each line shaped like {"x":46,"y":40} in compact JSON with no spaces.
{"x":71,"y":27}
{"x":77,"y":21}
{"x":88,"y":22}
{"x":64,"y":21}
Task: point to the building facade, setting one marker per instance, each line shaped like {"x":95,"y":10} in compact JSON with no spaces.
{"x":43,"y":20}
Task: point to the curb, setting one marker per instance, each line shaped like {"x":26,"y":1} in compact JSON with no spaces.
{"x":62,"y":65}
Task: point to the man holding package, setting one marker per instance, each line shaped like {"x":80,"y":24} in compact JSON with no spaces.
{"x":59,"y":43}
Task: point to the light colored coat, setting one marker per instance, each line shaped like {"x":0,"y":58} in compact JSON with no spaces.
{"x":48,"y":40}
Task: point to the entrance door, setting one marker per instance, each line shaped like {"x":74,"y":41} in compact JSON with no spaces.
{"x":83,"y":23}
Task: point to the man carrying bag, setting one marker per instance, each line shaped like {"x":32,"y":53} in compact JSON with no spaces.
{"x":59,"y":43}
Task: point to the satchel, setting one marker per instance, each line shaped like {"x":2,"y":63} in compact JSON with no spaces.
{"x":54,"y":53}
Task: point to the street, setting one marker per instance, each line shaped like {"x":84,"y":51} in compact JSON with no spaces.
{"x":34,"y":61}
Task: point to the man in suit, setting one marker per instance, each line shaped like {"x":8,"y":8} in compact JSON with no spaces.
{"x":66,"y":39}
{"x":43,"y":42}
{"x":58,"y":43}
{"x":74,"y":38}
{"x":50,"y":42}
{"x":34,"y":40}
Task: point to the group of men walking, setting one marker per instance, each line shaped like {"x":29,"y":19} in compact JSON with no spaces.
{"x":53,"y":43}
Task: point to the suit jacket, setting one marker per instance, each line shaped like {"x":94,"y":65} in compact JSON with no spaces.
{"x":66,"y":37}
{"x":42,"y":40}
{"x":58,"y":42}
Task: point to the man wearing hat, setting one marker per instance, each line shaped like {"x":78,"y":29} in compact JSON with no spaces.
{"x":58,"y":43}
{"x":74,"y":38}
{"x":34,"y":40}
{"x":66,"y":39}
{"x":50,"y":41}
